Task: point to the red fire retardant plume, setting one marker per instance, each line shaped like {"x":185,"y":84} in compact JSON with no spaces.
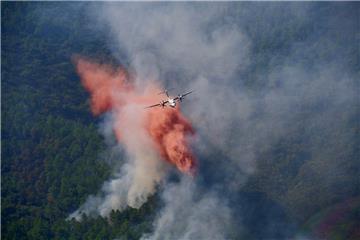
{"x":111,"y":89}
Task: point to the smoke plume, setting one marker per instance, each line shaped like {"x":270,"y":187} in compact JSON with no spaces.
{"x":275,"y":97}
{"x":203,"y":216}
{"x":152,"y":138}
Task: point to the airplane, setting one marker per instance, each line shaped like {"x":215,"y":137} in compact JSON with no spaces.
{"x":171,"y":102}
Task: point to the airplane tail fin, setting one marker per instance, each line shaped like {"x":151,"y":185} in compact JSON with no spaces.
{"x":166,"y":91}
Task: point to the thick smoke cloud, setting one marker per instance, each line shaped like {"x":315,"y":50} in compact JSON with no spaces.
{"x":150,"y":137}
{"x":191,"y":215}
{"x":188,"y":47}
{"x":189,"y":43}
{"x":208,"y":47}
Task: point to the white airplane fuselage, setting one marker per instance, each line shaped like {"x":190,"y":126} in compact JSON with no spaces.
{"x":172,"y":102}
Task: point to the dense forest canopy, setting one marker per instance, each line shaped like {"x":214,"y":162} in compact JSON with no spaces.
{"x":305,"y":164}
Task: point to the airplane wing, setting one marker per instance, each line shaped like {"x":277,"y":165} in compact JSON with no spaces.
{"x":159,"y":104}
{"x":183,"y":95}
{"x":187,"y":93}
{"x":155,"y":105}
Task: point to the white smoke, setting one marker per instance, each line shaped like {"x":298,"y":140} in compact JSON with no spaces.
{"x":195,"y":47}
{"x":189,"y":47}
{"x":190,"y":215}
{"x":137,"y":178}
{"x":159,"y":41}
{"x":185,"y":48}
{"x":163,"y":38}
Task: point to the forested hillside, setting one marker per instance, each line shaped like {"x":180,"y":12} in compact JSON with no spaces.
{"x":53,"y":155}
{"x":50,"y":142}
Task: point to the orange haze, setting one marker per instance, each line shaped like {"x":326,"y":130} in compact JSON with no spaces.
{"x":112,"y":89}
